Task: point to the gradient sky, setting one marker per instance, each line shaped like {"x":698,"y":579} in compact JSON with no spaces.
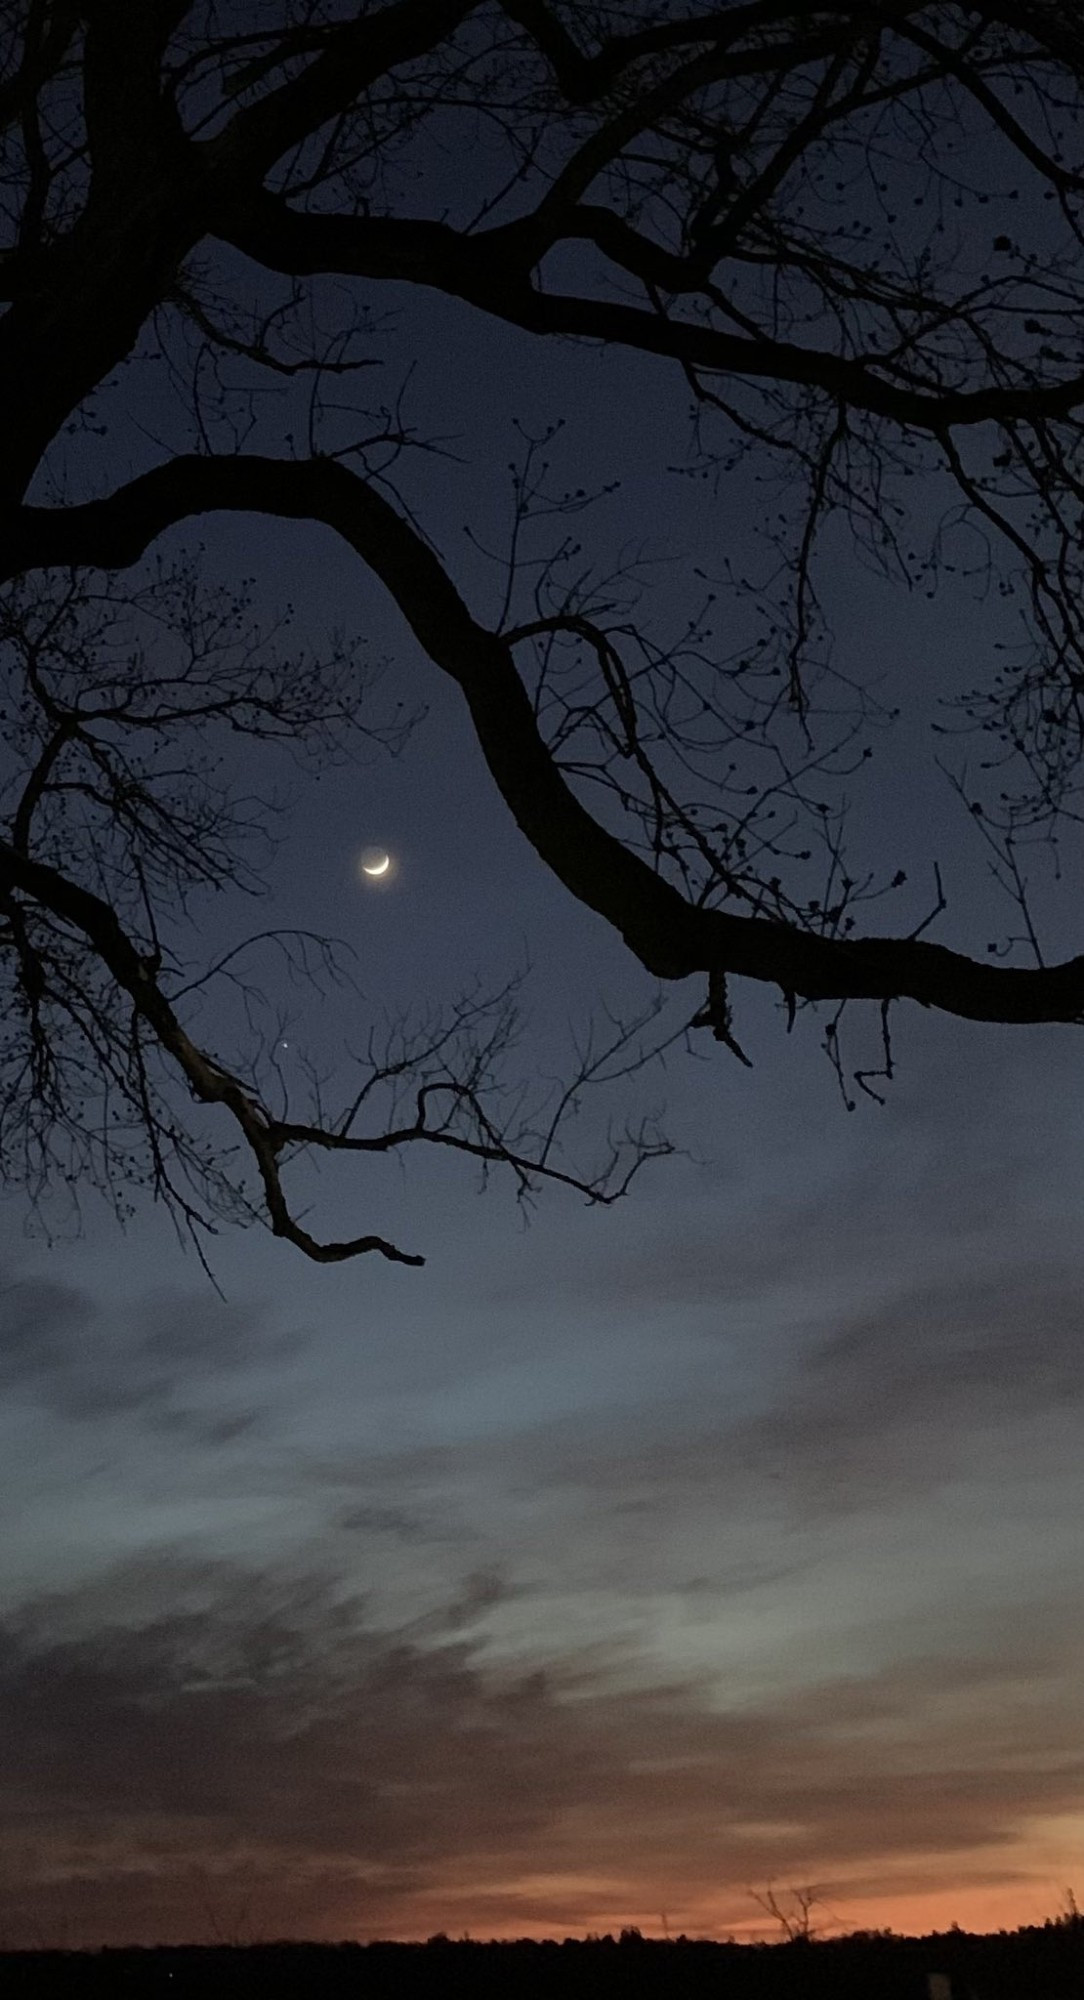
{"x":607,"y":1569}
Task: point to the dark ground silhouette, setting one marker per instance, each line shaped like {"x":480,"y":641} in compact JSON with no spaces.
{"x":1039,"y":1963}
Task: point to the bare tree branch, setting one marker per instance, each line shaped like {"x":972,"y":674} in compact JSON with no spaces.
{"x":671,"y":938}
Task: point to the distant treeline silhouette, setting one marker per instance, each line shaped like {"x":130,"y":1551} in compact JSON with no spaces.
{"x":1043,"y":1962}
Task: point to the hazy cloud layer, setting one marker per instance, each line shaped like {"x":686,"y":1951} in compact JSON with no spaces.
{"x":157,"y":1359}
{"x":964,"y":1354}
{"x":746,"y":1551}
{"x":278,"y":1750}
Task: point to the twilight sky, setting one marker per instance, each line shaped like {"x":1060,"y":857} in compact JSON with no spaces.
{"x":604,"y":1569}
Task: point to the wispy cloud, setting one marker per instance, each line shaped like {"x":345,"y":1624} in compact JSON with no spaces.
{"x":274,"y":1744}
{"x":156,"y":1359}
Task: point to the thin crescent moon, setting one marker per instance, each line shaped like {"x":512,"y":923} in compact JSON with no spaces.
{"x":381,"y":867}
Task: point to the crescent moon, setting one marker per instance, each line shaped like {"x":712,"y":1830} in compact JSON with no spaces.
{"x":377,"y":868}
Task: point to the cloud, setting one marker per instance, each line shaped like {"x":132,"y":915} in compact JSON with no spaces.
{"x":271,"y":1744}
{"x":962,"y":1166}
{"x":191,"y":1747}
{"x":62,"y":1351}
{"x":1002,"y":1344}
{"x":370,"y":1518}
{"x":896,"y":1398}
{"x":43,"y":1328}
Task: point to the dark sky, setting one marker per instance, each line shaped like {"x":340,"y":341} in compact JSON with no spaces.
{"x":607,"y":1568}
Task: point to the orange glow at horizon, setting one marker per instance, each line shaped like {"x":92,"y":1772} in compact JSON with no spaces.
{"x":1028,"y":1888}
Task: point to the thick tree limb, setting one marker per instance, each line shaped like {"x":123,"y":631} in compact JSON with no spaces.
{"x":491,"y":270}
{"x":585,"y":78}
{"x":356,"y":55}
{"x":671,"y":937}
